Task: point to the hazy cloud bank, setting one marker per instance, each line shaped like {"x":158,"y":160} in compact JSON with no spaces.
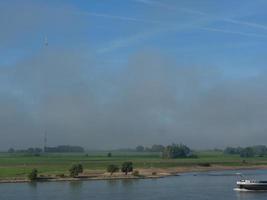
{"x":63,"y":90}
{"x":151,"y":100}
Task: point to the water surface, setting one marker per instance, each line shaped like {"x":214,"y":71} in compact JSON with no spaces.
{"x":190,"y":186}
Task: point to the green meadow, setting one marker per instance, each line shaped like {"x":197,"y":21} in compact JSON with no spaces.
{"x":19,"y":164}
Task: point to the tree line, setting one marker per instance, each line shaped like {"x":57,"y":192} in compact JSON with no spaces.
{"x":169,"y":151}
{"x":30,"y":150}
{"x":57,"y":149}
{"x":250,"y":151}
{"x":153,"y":148}
{"x":64,"y":149}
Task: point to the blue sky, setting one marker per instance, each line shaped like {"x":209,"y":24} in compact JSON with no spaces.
{"x":229,"y":34}
{"x":157,"y":65}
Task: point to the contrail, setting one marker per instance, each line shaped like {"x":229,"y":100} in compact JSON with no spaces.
{"x":126,"y":41}
{"x":196,"y":12}
{"x":115,"y":44}
{"x":255,"y":25}
{"x":234,"y":32}
{"x":233,"y":21}
{"x":120,"y":43}
{"x":155,"y":3}
{"x":115,"y":17}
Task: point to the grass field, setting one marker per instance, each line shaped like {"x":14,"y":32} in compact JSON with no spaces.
{"x":19,"y":165}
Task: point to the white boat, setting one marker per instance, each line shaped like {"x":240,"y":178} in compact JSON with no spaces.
{"x":251,"y":185}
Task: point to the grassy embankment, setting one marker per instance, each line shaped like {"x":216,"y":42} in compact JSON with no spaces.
{"x":19,"y":165}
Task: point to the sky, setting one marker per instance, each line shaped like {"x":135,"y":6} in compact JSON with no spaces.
{"x":108,"y":74}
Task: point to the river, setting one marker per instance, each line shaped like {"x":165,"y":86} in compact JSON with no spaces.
{"x":189,"y":186}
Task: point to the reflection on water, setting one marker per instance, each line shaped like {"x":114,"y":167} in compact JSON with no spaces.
{"x":203,"y":186}
{"x":75,"y":185}
{"x":112,"y":183}
{"x":128,"y":182}
{"x":250,"y":195}
{"x":33,"y":185}
{"x":75,"y":189}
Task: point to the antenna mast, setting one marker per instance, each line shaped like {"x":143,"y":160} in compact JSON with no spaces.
{"x":45,"y":141}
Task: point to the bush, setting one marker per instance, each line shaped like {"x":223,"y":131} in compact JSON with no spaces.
{"x":60,"y":175}
{"x":75,"y":170}
{"x":109,"y":154}
{"x":112,"y":169}
{"x":154,"y":173}
{"x":127,"y":167}
{"x":204,"y":164}
{"x":33,"y":175}
{"x":136,"y":173}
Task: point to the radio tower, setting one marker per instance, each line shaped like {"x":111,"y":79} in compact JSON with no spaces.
{"x":45,"y":141}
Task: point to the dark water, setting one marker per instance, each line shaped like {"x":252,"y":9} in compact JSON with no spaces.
{"x":192,"y":186}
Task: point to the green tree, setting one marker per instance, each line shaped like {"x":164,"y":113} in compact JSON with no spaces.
{"x":177,"y":151}
{"x":33,"y":175}
{"x":157,"y":148}
{"x":127,"y":167}
{"x":11,"y":150}
{"x":247,"y":152}
{"x":75,"y":170}
{"x":259,"y":150}
{"x":112,"y":169}
{"x":109,"y":154}
{"x":140,"y":148}
{"x":232,"y":150}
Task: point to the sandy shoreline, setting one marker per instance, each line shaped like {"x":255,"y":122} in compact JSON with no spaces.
{"x":144,"y":174}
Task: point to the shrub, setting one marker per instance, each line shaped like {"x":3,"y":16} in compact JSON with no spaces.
{"x":154,"y":173}
{"x":204,"y":164}
{"x":109,"y":154}
{"x":33,"y":175}
{"x":60,"y":175}
{"x":127,"y":167}
{"x":136,"y":173}
{"x":75,"y":170}
{"x":112,"y":169}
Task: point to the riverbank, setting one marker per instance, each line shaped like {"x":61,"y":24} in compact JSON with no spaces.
{"x":143,"y":174}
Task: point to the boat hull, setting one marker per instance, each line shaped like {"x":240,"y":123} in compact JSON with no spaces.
{"x":252,"y":185}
